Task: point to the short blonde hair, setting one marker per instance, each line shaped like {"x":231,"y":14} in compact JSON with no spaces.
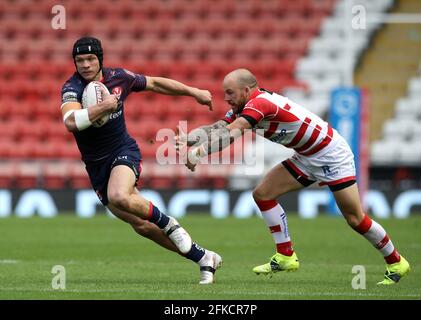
{"x":243,"y":77}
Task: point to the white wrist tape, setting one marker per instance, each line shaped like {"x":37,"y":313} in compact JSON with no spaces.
{"x":67,"y":114}
{"x":195,"y":154}
{"x":203,"y":150}
{"x":192,"y":157}
{"x":82,"y":119}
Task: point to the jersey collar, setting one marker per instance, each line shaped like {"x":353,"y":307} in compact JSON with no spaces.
{"x":102,"y":79}
{"x":255,"y":93}
{"x":103,"y":75}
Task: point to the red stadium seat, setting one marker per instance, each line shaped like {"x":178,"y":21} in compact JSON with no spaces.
{"x":195,"y":42}
{"x":55,"y":130}
{"x":28,"y":174}
{"x":7,"y":173}
{"x":6,"y":147}
{"x":68,"y":150}
{"x":19,"y":110}
{"x":8,"y":131}
{"x":163,"y":176}
{"x":24,"y":149}
{"x":30,"y":130}
{"x":78,"y":175}
{"x":47,"y":150}
{"x":148,"y":150}
{"x":55,"y":174}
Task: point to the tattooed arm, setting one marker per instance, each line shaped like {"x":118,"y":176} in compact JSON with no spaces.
{"x":218,"y":138}
{"x":200,"y":135}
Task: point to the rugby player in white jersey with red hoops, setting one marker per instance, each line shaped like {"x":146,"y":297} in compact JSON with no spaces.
{"x":321,"y":155}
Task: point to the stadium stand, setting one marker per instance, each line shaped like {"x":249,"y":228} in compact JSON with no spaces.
{"x":385,"y":58}
{"x":294,"y":47}
{"x":322,"y":69}
{"x":401,"y":133}
{"x":393,"y":61}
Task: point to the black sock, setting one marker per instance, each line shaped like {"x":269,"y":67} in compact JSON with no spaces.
{"x":159,"y":218}
{"x":196,"y":252}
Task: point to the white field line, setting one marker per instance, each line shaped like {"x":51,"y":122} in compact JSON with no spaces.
{"x":233,"y":293}
{"x":8,"y":261}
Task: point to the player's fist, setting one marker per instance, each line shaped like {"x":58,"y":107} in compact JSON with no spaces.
{"x":109,"y":100}
{"x":190,"y":166}
{"x":193,"y":158}
{"x":204,"y":97}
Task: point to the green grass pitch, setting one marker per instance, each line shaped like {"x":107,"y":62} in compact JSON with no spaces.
{"x":105,"y":259}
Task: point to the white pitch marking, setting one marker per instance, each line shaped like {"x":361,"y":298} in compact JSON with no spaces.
{"x":8,"y":261}
{"x":234,"y":293}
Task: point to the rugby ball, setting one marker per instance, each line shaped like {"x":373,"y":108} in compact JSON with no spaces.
{"x":91,"y":96}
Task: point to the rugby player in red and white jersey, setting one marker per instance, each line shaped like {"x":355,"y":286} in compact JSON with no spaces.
{"x":321,"y":155}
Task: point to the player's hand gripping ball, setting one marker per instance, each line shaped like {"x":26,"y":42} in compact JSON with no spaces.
{"x":92,"y":95}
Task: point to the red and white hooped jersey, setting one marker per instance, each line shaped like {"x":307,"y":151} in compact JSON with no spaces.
{"x":285,"y":122}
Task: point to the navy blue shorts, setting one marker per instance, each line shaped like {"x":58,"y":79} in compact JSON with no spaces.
{"x":99,"y":171}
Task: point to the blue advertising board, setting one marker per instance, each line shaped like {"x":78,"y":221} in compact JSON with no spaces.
{"x":345,"y":116}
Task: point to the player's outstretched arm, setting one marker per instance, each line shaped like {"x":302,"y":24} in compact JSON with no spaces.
{"x":198,"y":135}
{"x":219,"y":138}
{"x":176,"y":88}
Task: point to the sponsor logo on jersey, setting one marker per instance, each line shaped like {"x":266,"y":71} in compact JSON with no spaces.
{"x":118,"y":158}
{"x":328,"y":173}
{"x":69,"y":96}
{"x":279,"y":136}
{"x":117,"y":91}
{"x":115,"y":115}
{"x":326,"y":169}
{"x":230,"y":115}
{"x":68,"y":85}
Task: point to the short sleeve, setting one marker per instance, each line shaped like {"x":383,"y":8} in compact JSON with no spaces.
{"x":137,"y":82}
{"x":257,"y":109}
{"x":70,"y":93}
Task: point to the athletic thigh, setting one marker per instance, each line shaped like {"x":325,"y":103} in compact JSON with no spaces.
{"x":275,"y":183}
{"x":125,"y":171}
{"x":100,"y":172}
{"x":122,"y":185}
{"x":122,"y":179}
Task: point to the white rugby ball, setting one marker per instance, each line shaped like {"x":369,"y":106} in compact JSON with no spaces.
{"x":91,"y":96}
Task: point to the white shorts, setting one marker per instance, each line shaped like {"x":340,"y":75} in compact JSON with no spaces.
{"x":333,"y":165}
